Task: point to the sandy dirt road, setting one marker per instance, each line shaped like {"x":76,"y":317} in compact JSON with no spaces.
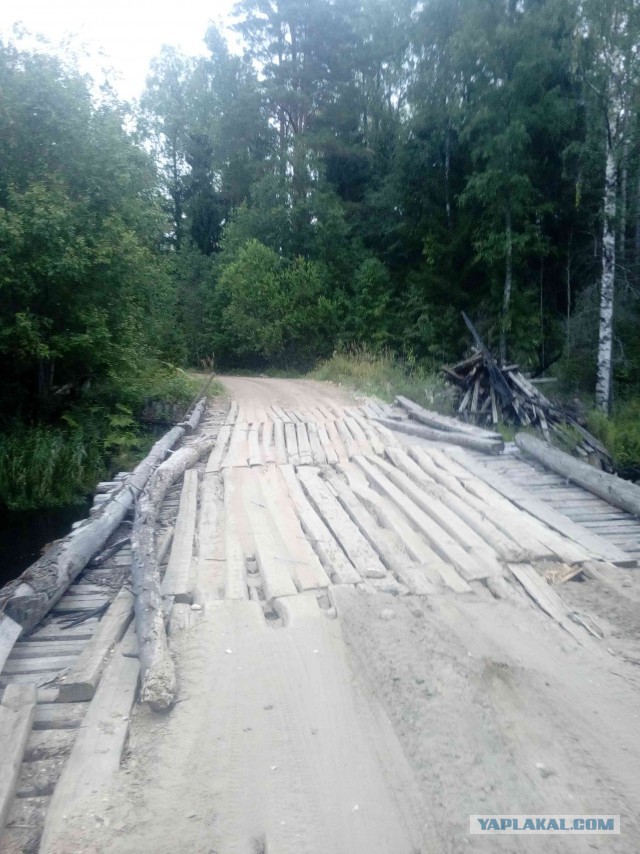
{"x":363,"y":676}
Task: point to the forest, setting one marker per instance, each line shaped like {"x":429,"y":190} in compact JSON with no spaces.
{"x":334,"y":176}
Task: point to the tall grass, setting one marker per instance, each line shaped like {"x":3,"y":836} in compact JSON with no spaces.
{"x":47,"y":467}
{"x":620,"y":434}
{"x":384,"y":375}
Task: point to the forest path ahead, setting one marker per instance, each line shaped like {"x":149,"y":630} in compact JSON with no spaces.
{"x":364,"y":668}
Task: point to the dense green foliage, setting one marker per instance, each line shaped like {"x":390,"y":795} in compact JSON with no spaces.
{"x":356,"y":176}
{"x":86,"y":292}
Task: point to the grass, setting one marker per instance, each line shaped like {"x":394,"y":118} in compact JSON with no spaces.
{"x":53,"y":465}
{"x":384,"y":375}
{"x":620,"y":434}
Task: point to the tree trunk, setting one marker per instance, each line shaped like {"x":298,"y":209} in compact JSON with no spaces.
{"x":605,"y":337}
{"x":508,"y":284}
{"x":636,"y":241}
{"x":29,"y":598}
{"x":620,"y":493}
{"x":157,"y":672}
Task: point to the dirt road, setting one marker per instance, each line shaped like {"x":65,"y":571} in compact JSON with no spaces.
{"x":363,"y":671}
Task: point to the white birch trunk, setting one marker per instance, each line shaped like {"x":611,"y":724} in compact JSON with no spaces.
{"x":605,"y":337}
{"x":508,"y":284}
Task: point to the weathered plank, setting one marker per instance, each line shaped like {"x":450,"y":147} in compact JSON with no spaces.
{"x":9,"y":633}
{"x":214,"y":463}
{"x":271,"y":552}
{"x":386,"y":513}
{"x":346,"y":437}
{"x":381,"y":539}
{"x":280,"y":443}
{"x":406,"y":474}
{"x":334,"y":560}
{"x":327,"y":445}
{"x":97,"y":752}
{"x":304,"y":447}
{"x":16,"y":719}
{"x":59,"y":715}
{"x":291,"y":441}
{"x":587,"y":543}
{"x":81,"y":682}
{"x":318,"y":456}
{"x":354,"y":544}
{"x":38,"y":666}
{"x":268,"y":448}
{"x":621,"y":493}
{"x":255,"y":453}
{"x":544,"y":596}
{"x":178,"y":581}
{"x":235,"y":569}
{"x":444,"y":545}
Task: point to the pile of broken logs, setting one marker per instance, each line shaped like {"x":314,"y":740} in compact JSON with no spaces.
{"x":491,"y":393}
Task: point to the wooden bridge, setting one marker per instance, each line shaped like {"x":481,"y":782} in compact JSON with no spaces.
{"x":303,"y":497}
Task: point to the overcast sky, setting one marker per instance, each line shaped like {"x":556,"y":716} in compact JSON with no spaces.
{"x":127,"y":32}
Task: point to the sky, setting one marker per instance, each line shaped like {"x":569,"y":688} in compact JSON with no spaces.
{"x":121,"y":34}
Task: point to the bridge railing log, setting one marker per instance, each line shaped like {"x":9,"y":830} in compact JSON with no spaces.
{"x":29,"y":598}
{"x":157,"y":671}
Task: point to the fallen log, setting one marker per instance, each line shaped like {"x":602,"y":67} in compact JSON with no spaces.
{"x":157,"y":671}
{"x":620,"y":493}
{"x":462,"y":439}
{"x":443,"y":422}
{"x":31,"y":596}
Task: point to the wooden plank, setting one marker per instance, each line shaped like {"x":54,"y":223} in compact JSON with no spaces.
{"x":255,"y":453}
{"x":621,"y":493}
{"x":304,"y":565}
{"x":354,"y":544}
{"x":304,"y":446}
{"x":544,"y":596}
{"x":270,"y":551}
{"x":280,"y":443}
{"x":377,"y":445}
{"x":346,"y":438}
{"x":178,"y":581}
{"x":69,"y":605}
{"x":291,"y":441}
{"x":560,"y":523}
{"x":9,"y":634}
{"x":214,"y":463}
{"x":431,"y":498}
{"x":455,"y":497}
{"x":336,"y":442}
{"x":318,"y":456}
{"x":449,"y":550}
{"x":429,"y":563}
{"x":232,"y":414}
{"x":53,"y":631}
{"x":280,"y":414}
{"x":359,"y":436}
{"x":235,"y":568}
{"x":37,"y":666}
{"x":59,"y":715}
{"x":16,"y":719}
{"x":327,"y":445}
{"x":268,"y":448}
{"x":381,"y":539}
{"x":237,"y":455}
{"x":27,"y":649}
{"x":81,"y":682}
{"x":333,"y":559}
{"x":97,"y":752}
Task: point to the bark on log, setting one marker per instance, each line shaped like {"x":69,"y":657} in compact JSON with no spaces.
{"x":413,"y":429}
{"x":29,"y":598}
{"x":443,"y":422}
{"x":157,"y":671}
{"x":620,"y":493}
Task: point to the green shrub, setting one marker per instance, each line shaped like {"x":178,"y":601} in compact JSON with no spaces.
{"x":620,"y":434}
